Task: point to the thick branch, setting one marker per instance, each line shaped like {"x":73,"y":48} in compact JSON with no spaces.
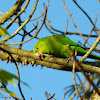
{"x":11,"y":12}
{"x":27,"y":57}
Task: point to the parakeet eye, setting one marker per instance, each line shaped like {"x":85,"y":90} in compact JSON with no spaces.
{"x":37,"y":48}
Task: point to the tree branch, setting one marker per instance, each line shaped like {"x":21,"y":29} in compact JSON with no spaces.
{"x":11,"y":12}
{"x":27,"y":57}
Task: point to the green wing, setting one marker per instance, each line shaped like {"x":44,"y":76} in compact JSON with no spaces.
{"x":64,"y":40}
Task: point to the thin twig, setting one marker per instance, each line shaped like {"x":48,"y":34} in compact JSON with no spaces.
{"x":66,"y":28}
{"x":74,"y":23}
{"x":80,"y":68}
{"x":19,"y":80}
{"x":18,"y":14}
{"x":91,"y":31}
{"x":83,"y":11}
{"x":12,"y":11}
{"x":78,"y":89}
{"x":24,"y":32}
{"x":17,"y":72}
{"x":85,"y":14}
{"x":51,"y":97}
{"x":75,"y":81}
{"x":82,"y":86}
{"x":4,"y":86}
{"x":64,"y":94}
{"x":28,"y":19}
{"x":70,"y":33}
{"x":74,"y":76}
{"x":90,"y":50}
{"x":31,"y":37}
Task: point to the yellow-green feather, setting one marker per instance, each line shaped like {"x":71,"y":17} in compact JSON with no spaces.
{"x":56,"y":45}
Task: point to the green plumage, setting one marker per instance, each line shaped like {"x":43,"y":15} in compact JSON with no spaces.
{"x":56,"y":45}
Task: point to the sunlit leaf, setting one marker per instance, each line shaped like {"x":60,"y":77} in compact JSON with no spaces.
{"x":3,"y":32}
{"x":9,"y":92}
{"x":6,"y":77}
{"x":96,"y":76}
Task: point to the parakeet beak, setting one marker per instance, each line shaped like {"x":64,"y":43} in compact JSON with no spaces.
{"x":39,"y":55}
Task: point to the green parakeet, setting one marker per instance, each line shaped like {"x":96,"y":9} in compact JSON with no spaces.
{"x":56,"y":45}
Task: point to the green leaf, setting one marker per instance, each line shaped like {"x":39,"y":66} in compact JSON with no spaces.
{"x":6,"y":77}
{"x":96,"y":76}
{"x":3,"y":32}
{"x":9,"y":92}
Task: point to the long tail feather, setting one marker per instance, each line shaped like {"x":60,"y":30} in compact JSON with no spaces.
{"x":82,"y":52}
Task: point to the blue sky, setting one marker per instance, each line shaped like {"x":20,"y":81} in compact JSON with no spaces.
{"x":46,"y":79}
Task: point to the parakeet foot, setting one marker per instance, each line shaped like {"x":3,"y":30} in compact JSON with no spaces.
{"x":51,"y":56}
{"x":39,"y":55}
{"x":68,"y":59}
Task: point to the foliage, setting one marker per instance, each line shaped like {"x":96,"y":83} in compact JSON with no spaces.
{"x":3,"y":32}
{"x":90,"y":69}
{"x":6,"y":77}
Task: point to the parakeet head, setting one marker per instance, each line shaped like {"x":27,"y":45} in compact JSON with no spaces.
{"x":41,"y":46}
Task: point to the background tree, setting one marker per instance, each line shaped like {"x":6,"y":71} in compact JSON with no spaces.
{"x":28,"y":21}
